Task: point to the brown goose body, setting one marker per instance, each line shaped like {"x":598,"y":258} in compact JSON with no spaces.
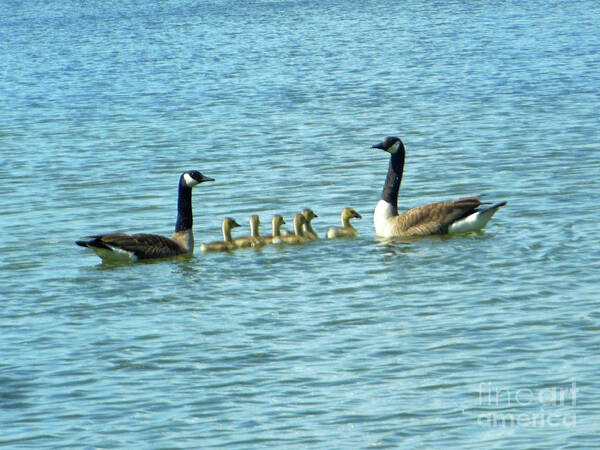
{"x":433,"y":218}
{"x":462,"y":215}
{"x":133,"y":247}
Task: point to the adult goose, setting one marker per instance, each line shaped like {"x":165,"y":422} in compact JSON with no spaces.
{"x":462,"y":215}
{"x":226,"y":245}
{"x":346,"y":230}
{"x":133,"y":247}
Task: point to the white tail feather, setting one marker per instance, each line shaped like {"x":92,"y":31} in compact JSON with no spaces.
{"x":476,"y":221}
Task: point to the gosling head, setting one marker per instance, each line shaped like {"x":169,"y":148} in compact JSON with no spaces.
{"x":230,"y":223}
{"x":192,"y":177}
{"x":350,"y":213}
{"x":309,"y":214}
{"x":277,"y":220}
{"x":390,"y":144}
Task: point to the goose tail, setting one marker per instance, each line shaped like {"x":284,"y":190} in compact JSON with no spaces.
{"x":492,"y":209}
{"x":476,"y":221}
{"x":93,"y":241}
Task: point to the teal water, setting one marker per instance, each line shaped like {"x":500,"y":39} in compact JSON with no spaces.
{"x":484,"y":341}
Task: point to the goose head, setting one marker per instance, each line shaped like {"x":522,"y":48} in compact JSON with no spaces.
{"x":229,"y":223}
{"x":192,"y":177}
{"x":390,"y":144}
{"x":350,"y":213}
{"x":277,"y":221}
{"x":309,"y":214}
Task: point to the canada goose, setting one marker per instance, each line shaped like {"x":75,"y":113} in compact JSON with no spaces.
{"x":298,"y":237}
{"x":309,"y":215}
{"x":346,"y":230}
{"x":226,"y":245}
{"x":455,"y":216}
{"x":131,"y":247}
{"x":276,"y":223}
{"x":254,"y":240}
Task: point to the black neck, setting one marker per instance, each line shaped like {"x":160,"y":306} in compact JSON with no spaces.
{"x":184,"y":208}
{"x":393,"y":179}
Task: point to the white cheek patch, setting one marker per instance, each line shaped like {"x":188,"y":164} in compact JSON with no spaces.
{"x":189,"y":181}
{"x":394,"y":148}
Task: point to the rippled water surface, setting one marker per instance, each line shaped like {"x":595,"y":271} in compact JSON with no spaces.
{"x":482,"y":341}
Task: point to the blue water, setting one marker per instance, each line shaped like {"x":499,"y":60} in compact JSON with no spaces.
{"x":483,"y":341}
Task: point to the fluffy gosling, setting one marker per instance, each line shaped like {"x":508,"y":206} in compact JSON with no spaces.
{"x":309,"y":215}
{"x":276,"y":224}
{"x":298,"y":237}
{"x":346,"y":230}
{"x":226,"y":245}
{"x":254,"y":240}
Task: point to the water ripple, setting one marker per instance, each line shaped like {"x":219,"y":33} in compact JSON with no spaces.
{"x":350,"y":343}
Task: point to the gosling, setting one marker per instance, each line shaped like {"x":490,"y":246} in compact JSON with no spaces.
{"x":346,"y":230}
{"x":309,"y":215}
{"x":254,"y":240}
{"x":276,"y":224}
{"x":227,"y":244}
{"x":298,"y":237}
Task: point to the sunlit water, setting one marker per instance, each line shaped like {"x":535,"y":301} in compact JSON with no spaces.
{"x":483,"y":341}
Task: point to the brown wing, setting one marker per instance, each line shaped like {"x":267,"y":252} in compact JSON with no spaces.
{"x":435,"y":218}
{"x":144,"y":246}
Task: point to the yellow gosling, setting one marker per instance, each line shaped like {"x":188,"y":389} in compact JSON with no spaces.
{"x":298,"y":237}
{"x":276,"y":224}
{"x":309,"y":215}
{"x":254,"y":240}
{"x":226,"y":245}
{"x":346,"y":230}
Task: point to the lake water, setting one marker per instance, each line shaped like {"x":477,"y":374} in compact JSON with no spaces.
{"x":489,"y":340}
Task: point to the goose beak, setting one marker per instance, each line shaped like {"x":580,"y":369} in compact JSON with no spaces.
{"x":205,"y":178}
{"x":379,"y":146}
